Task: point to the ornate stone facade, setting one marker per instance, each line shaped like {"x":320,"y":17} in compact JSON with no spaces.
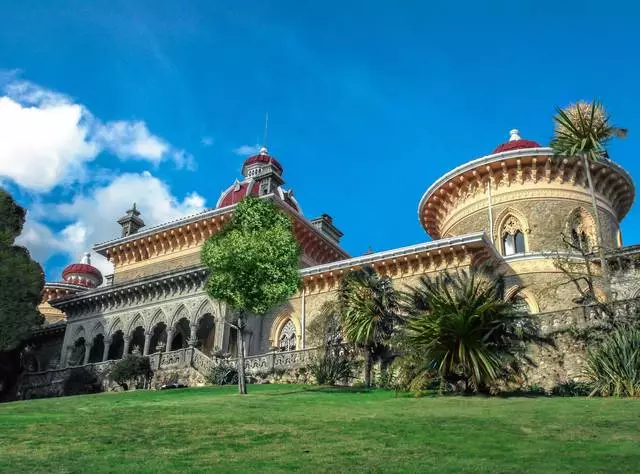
{"x":512,"y":208}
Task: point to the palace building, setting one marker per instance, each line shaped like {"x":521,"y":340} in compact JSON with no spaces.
{"x":514,"y":207}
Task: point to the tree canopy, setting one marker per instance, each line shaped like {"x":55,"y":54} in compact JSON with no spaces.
{"x":21,"y":278}
{"x":253,"y":260}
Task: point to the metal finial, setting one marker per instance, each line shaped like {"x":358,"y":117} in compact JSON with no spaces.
{"x":266,"y":129}
{"x":514,"y":135}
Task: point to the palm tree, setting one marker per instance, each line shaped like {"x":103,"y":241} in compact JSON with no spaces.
{"x":369,"y":308}
{"x":583,"y":129}
{"x":462,"y":329}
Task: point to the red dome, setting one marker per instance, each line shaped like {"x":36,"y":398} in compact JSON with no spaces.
{"x":236,"y":192}
{"x":82,"y":274}
{"x":263,"y":157}
{"x":516,"y":143}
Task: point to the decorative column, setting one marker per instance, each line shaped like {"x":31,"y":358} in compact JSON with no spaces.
{"x":105,"y":353}
{"x":87,"y":352}
{"x":147,"y":342}
{"x":127,"y":341}
{"x":169,"y":338}
{"x":192,"y":335}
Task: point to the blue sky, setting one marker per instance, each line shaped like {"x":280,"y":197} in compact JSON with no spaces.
{"x":368,"y":102}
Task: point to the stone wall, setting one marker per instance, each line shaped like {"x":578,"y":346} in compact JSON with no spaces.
{"x":547,"y":220}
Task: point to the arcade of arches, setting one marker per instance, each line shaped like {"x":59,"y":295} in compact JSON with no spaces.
{"x":142,"y":341}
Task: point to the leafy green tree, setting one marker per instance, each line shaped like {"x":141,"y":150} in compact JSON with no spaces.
{"x":461,"y":328}
{"x":253,"y":264}
{"x":583,"y":130}
{"x":21,"y":279}
{"x":369,"y":308}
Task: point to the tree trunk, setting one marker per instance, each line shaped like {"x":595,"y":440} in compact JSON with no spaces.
{"x":601,"y":253}
{"x":368,"y":365}
{"x":242,"y":386}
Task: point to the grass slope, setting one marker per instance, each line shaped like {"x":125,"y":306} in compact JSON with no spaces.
{"x":292,"y":428}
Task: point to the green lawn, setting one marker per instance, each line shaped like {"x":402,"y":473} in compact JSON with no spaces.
{"x":293,"y":428}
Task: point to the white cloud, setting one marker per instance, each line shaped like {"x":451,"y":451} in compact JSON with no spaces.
{"x":41,"y":147}
{"x":46,"y":139}
{"x":247,"y":150}
{"x":93,"y":216}
{"x":131,"y":140}
{"x":207,"y":141}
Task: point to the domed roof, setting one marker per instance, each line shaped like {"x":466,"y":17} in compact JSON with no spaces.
{"x":516,"y":143}
{"x":83,"y":273}
{"x":237,"y":191}
{"x":262,"y":157}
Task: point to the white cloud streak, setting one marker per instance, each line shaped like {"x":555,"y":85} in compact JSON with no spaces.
{"x":47,"y":139}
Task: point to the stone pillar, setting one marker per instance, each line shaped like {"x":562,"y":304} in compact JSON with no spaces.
{"x":87,"y":352}
{"x":192,"y":335}
{"x":169,"y":339}
{"x":147,"y":342}
{"x":67,"y":356}
{"x":127,"y":341}
{"x":105,"y":353}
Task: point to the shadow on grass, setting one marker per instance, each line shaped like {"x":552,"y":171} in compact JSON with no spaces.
{"x":323,"y":389}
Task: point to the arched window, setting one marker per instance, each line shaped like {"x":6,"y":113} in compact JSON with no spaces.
{"x":512,"y":237}
{"x":582,"y":230}
{"x":287,"y":339}
{"x":520,"y":304}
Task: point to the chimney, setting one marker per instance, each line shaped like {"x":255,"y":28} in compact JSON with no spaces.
{"x":131,"y":222}
{"x":324,"y":224}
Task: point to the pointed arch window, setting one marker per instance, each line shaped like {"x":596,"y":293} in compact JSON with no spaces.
{"x":287,"y":339}
{"x":582,"y":231}
{"x":513,"y":241}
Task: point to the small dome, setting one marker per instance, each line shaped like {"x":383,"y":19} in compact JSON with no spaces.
{"x":516,"y":143}
{"x":263,"y":157}
{"x":237,"y":191}
{"x":83,"y":273}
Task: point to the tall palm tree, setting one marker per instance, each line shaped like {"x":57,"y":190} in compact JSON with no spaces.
{"x":369,"y":309}
{"x":463,"y":330}
{"x":583,"y":129}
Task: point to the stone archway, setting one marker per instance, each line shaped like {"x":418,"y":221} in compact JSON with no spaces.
{"x":78,"y":351}
{"x":116,"y":348}
{"x":181,"y":334}
{"x":97,"y":349}
{"x":158,"y":338}
{"x":205,"y":334}
{"x":137,"y":340}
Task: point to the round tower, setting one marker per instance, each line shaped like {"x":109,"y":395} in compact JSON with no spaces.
{"x":530,"y":204}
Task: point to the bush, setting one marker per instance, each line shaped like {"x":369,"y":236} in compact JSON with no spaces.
{"x":132,"y":368}
{"x":613,"y":366}
{"x":81,"y":381}
{"x":571,"y":388}
{"x":331,"y":368}
{"x":223,"y":374}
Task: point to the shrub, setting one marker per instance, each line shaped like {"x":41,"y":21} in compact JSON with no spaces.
{"x":613,"y":366}
{"x":571,"y":388}
{"x":223,"y":374}
{"x":132,"y":368}
{"x":331,"y":368}
{"x":81,"y":381}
